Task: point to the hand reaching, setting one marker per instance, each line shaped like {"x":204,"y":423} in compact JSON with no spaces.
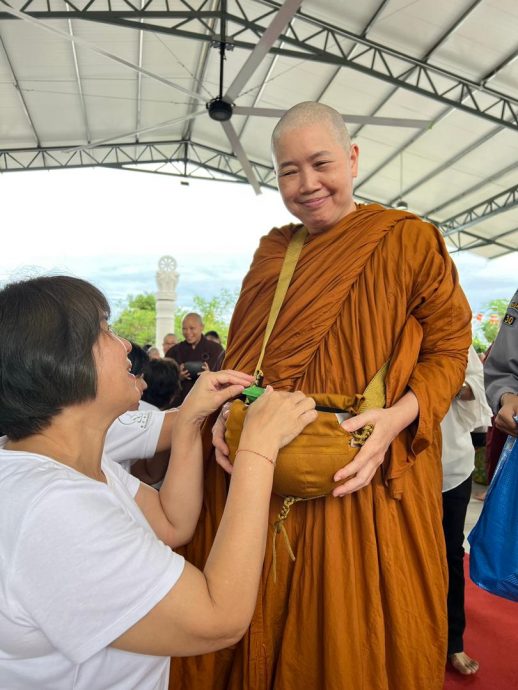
{"x":218,"y":439}
{"x":278,"y":416}
{"x":211,"y":390}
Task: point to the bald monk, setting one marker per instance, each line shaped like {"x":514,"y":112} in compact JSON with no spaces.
{"x":363,"y":606}
{"x":195,"y":349}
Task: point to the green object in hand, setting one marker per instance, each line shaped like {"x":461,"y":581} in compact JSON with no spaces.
{"x":252,"y":393}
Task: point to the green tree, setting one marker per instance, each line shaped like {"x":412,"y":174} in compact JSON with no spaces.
{"x":488,"y":323}
{"x":479,"y":345}
{"x":136,"y":321}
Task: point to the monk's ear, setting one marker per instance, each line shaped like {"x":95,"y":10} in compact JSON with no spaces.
{"x":354,"y":156}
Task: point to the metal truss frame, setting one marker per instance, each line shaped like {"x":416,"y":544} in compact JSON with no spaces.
{"x":190,"y":160}
{"x":306,"y":37}
{"x":504,"y":201}
{"x":476,"y":241}
{"x":185,"y":158}
{"x":311,"y":39}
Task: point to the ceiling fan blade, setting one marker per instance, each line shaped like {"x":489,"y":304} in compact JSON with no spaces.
{"x":260,"y":112}
{"x":272,"y":33}
{"x":76,"y":40}
{"x":241,"y":155}
{"x":387,"y":121}
{"x":134,"y":133}
{"x":352,"y":119}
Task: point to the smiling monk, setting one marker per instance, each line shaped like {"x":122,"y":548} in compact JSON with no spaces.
{"x":363,"y":605}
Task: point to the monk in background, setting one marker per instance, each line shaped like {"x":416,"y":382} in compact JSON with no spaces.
{"x":363,"y":606}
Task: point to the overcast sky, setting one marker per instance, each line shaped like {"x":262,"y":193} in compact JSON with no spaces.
{"x":112,"y":226}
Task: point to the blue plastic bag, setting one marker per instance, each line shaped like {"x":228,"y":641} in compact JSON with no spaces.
{"x":493,"y":560}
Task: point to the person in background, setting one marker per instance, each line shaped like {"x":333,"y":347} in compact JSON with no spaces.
{"x":154,"y":353}
{"x":114,"y":623}
{"x":138,"y":358}
{"x":195,"y":353}
{"x":214,"y":336}
{"x":468,"y":410}
{"x":163,"y":385}
{"x":162,"y":393}
{"x":169,"y":341}
{"x":501,"y":372}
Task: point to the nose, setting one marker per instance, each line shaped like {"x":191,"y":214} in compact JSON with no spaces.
{"x":126,"y":343}
{"x":309,"y":181}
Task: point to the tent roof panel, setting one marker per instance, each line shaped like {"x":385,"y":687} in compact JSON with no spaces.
{"x":138,"y":77}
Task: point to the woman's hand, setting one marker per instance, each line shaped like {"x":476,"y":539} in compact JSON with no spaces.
{"x":211,"y":390}
{"x":218,"y":439}
{"x":276,"y":418}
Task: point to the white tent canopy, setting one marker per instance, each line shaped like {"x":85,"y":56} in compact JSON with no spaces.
{"x":125,"y":84}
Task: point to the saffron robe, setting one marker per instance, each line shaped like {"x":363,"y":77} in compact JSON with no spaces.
{"x":363,"y":607}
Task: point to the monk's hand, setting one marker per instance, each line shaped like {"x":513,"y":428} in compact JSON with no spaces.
{"x":505,"y":419}
{"x":388,"y":423}
{"x":212,"y":390}
{"x":184,"y":374}
{"x":218,"y":439}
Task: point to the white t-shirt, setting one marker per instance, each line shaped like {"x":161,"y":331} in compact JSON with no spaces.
{"x":145,"y":406}
{"x":132,"y":436}
{"x":79,"y":565}
{"x":464,"y":416}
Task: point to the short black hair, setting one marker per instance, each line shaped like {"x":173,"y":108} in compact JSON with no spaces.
{"x":138,"y":357}
{"x":163,"y":383}
{"x":214,"y":334}
{"x":48,"y":327}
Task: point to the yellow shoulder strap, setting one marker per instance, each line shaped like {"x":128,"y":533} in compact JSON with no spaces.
{"x":285,"y":276}
{"x":374,"y":394}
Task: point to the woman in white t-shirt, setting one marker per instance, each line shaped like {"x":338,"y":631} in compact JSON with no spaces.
{"x":92,"y":597}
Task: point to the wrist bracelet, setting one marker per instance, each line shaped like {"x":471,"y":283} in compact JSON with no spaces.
{"x":247,"y":450}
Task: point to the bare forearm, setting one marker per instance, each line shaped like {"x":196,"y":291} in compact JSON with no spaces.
{"x":242,"y":533}
{"x":182,"y":490}
{"x":405,"y":411}
{"x":167,"y":431}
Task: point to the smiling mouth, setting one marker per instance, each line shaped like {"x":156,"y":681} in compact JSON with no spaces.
{"x":314,"y":203}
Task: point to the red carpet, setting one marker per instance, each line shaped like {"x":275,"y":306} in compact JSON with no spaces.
{"x":491,"y":637}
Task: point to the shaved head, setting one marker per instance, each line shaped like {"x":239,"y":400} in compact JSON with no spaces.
{"x":193,"y":315}
{"x":310,"y":113}
{"x":192,"y":328}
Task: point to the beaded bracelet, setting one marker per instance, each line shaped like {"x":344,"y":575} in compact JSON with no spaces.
{"x":247,"y":450}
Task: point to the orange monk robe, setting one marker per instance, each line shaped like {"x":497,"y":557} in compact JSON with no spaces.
{"x":363,"y":607}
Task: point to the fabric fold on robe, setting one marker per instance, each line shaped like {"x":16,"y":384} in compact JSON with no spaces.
{"x":363,"y":607}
